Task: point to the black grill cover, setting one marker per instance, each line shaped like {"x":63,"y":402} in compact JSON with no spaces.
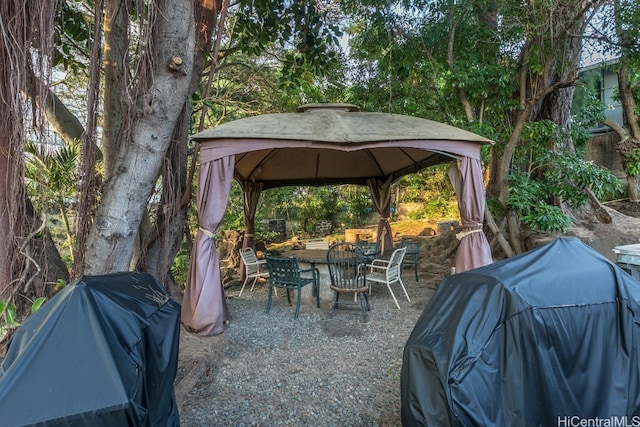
{"x":102,"y":352}
{"x":529,"y":341}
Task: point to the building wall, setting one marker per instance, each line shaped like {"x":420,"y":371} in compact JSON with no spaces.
{"x":609,"y":88}
{"x":601,"y":150}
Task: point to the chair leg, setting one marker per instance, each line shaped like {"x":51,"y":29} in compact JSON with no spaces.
{"x":394,"y":297}
{"x":403,"y":288}
{"x":255,"y":279}
{"x":297,"y":302}
{"x":334,"y":303}
{"x":269,"y":299}
{"x":364,"y":304}
{"x":243,"y":285}
{"x":415,"y":270}
{"x":288,"y":297}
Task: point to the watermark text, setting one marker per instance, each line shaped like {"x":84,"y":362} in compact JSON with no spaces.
{"x":613,"y":421}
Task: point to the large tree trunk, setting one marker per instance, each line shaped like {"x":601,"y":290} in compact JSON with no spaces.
{"x":633,"y":141}
{"x":626,"y":144}
{"x":160,"y":240}
{"x":160,"y":244}
{"x":545,"y":94}
{"x":157,"y":100}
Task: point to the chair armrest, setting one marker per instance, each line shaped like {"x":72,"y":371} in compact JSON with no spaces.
{"x":314,"y":270}
{"x":261,"y":261}
{"x":378,"y":266}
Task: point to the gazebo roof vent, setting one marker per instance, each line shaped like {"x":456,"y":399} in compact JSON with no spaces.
{"x":327,"y":106}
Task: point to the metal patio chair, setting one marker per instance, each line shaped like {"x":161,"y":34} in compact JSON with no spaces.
{"x":412,"y":256}
{"x":254,"y":267}
{"x":348,"y":273}
{"x":388,"y":272}
{"x":371,"y":249}
{"x":285,"y":273}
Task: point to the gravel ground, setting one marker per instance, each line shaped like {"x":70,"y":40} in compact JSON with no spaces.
{"x":274,"y":370}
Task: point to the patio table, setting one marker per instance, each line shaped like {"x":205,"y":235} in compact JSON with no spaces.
{"x":315,"y":258}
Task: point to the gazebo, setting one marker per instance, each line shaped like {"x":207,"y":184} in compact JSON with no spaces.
{"x":323,"y":144}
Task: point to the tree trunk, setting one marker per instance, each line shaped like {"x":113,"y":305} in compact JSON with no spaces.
{"x":546,"y":93}
{"x":627,"y":100}
{"x":116,"y":79}
{"x":634,"y":188}
{"x":624,"y":145}
{"x":140,"y":150}
{"x":42,"y":249}
{"x":160,"y":243}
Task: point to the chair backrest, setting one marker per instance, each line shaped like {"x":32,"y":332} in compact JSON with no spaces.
{"x":283,"y":271}
{"x":370,"y":249}
{"x":347,"y":266}
{"x":248,"y":256}
{"x":250,"y":260}
{"x":395,"y":264}
{"x":413,"y":247}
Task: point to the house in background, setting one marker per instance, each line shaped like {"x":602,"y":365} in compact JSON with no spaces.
{"x":602,"y":78}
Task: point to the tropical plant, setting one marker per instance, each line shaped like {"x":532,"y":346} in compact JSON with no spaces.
{"x":51,"y":180}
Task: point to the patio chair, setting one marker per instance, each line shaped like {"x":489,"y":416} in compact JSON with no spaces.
{"x":371,"y":249}
{"x":412,"y":255}
{"x":348,"y":273}
{"x":253,"y":267}
{"x":285,"y":273}
{"x":388,"y":272}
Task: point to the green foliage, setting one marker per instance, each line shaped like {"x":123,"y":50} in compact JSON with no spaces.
{"x":301,"y":28}
{"x":51,"y":174}
{"x":9,"y":315}
{"x":37,"y":304}
{"x":51,"y":179}
{"x":433,"y":189}
{"x":343,"y":205}
{"x":180,"y":266}
{"x":72,"y":36}
{"x":527,"y":198}
{"x":352,"y":202}
{"x":587,"y":110}
{"x":552,"y":176}
{"x":60,"y":283}
{"x":547,"y":217}
{"x":632,"y":162}
{"x":233,"y":218}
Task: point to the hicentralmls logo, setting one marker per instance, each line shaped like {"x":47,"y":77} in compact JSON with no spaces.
{"x":613,"y":421}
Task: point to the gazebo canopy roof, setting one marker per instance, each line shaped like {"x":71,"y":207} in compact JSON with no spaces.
{"x":320,"y":145}
{"x":334,"y":144}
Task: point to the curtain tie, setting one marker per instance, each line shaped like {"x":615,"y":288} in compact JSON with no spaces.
{"x":207,"y":233}
{"x":382,"y":240}
{"x":248,"y":235}
{"x":469,"y":230}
